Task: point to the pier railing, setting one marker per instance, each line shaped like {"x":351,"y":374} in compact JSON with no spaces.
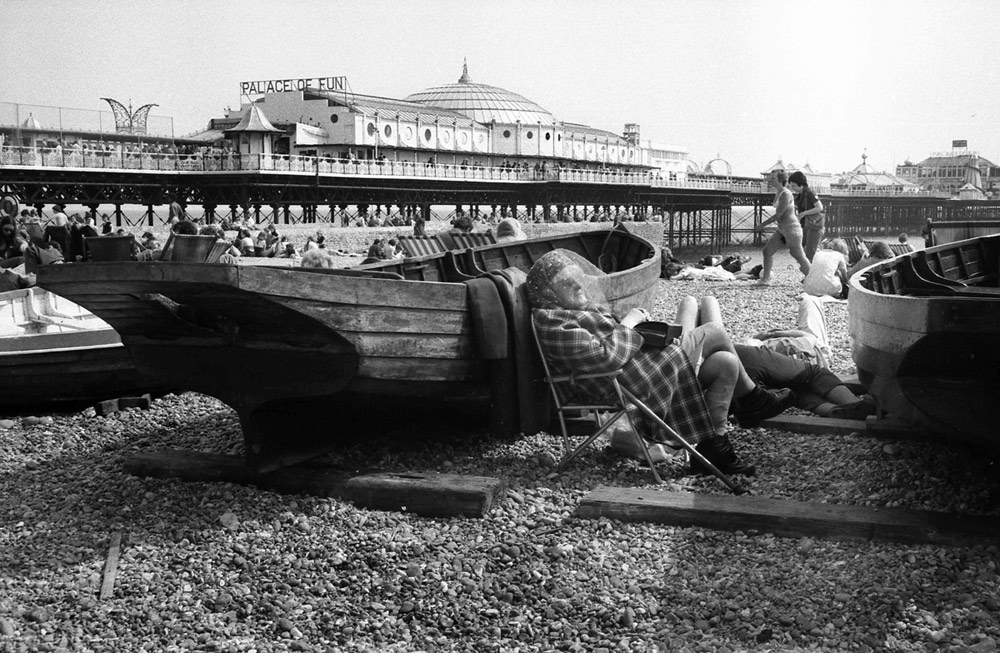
{"x":219,"y":161}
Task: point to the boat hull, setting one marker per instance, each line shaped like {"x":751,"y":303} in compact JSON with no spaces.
{"x":62,"y":362}
{"x":328,"y":351}
{"x":930,"y":352}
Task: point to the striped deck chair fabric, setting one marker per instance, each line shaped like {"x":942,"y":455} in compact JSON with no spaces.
{"x":221,"y":247}
{"x":477,"y":239}
{"x":421,"y":245}
{"x":899,"y":249}
{"x":187,"y":248}
{"x":856,"y":249}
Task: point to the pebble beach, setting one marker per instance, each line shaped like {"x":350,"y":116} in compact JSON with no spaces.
{"x":224,"y":567}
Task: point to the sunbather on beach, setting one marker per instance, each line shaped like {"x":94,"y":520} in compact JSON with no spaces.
{"x":828,"y":274}
{"x":795,"y":359}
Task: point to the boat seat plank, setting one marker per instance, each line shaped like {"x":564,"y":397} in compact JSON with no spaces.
{"x":978,"y":291}
{"x":787,"y":518}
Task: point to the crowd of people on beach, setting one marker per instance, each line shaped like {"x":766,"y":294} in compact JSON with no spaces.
{"x":30,"y":239}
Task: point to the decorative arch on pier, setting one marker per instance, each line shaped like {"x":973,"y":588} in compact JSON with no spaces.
{"x":128,"y":121}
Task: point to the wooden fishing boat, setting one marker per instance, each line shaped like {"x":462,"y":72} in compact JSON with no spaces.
{"x":55,"y":356}
{"x":925,"y":333}
{"x":307,"y":355}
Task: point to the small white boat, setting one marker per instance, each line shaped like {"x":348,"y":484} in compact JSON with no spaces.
{"x":57,"y":356}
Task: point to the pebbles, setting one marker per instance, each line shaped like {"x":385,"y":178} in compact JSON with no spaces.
{"x":213,"y":566}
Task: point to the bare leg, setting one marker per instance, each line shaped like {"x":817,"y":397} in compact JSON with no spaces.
{"x":687,"y":314}
{"x":799,"y":255}
{"x":710,"y":339}
{"x":770,"y":247}
{"x":794,"y":240}
{"x":718,"y":375}
{"x":709,"y":311}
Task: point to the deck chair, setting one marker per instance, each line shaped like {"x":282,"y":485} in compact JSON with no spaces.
{"x":108,"y":248}
{"x":900,"y":249}
{"x":476,"y":239}
{"x":185,"y":248}
{"x":220,"y":247}
{"x":856,"y":249}
{"x":568,"y":404}
{"x":421,"y":245}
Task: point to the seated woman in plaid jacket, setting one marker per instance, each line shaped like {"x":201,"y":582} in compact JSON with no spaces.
{"x":689,"y":384}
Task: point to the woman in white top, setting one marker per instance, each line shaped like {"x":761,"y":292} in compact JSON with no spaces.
{"x":789,"y":231}
{"x":828,"y":275}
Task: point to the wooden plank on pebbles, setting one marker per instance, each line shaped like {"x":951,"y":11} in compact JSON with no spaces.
{"x":888,"y":428}
{"x":788,"y":518}
{"x":426,"y":494}
{"x":111,"y":566}
{"x":814,"y":424}
{"x":893,"y":428}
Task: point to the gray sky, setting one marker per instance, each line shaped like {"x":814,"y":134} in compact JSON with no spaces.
{"x":749,"y":81}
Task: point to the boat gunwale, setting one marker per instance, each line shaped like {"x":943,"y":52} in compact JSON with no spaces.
{"x":857,"y":286}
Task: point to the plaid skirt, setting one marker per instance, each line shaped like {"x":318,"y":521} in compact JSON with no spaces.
{"x":664,"y":379}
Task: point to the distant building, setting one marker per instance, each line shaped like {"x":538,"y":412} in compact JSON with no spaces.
{"x":954,"y":172}
{"x":464,"y":123}
{"x":866,"y":178}
{"x":820,"y":182}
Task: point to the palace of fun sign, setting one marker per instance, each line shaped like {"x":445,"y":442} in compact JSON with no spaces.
{"x":289,"y":85}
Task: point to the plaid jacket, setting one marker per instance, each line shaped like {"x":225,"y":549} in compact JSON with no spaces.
{"x":587,"y":342}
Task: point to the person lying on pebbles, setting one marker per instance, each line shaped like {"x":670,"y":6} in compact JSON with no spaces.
{"x":794,"y":359}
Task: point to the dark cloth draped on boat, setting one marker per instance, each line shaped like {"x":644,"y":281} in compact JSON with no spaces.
{"x":61,"y":236}
{"x":500,"y":313}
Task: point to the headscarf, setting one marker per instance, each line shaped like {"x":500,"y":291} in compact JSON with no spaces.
{"x":564,"y":279}
{"x":510,"y":229}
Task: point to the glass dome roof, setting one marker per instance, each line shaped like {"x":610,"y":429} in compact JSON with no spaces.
{"x":483,"y":103}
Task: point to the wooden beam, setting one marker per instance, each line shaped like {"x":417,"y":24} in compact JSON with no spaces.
{"x":788,"y":518}
{"x":427,"y":494}
{"x":814,"y":424}
{"x":111,"y":406}
{"x":893,"y":428}
{"x":111,"y":566}
{"x":889,"y":427}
